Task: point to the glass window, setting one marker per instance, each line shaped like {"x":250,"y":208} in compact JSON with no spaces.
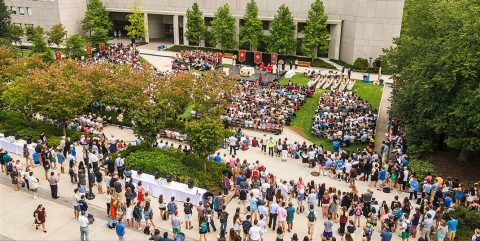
{"x":266,"y":25}
{"x":301,"y":27}
{"x":29,"y":11}
{"x":28,"y":25}
{"x":208,"y":21}
{"x":13,"y":10}
{"x":21,"y":10}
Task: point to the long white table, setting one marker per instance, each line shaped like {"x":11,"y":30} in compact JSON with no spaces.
{"x":174,"y":189}
{"x":16,"y":147}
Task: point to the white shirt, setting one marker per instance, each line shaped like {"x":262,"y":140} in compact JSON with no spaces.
{"x":255,"y":232}
{"x":83,"y":220}
{"x":92,"y":157}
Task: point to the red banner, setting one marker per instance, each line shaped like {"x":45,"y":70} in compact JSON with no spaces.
{"x":258,"y":57}
{"x":102,"y":46}
{"x":274,"y":58}
{"x":242,"y":55}
{"x":58,"y":55}
{"x":89,"y":51}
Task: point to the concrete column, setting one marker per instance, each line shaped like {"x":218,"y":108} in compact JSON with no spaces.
{"x":335,"y":39}
{"x":145,"y":22}
{"x":185,"y":41}
{"x":175,"y":30}
{"x":237,"y":30}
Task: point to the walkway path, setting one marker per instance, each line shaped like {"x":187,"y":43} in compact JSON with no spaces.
{"x":382,"y":120}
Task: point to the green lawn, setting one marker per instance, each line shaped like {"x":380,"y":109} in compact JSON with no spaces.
{"x":371,"y":93}
{"x":304,"y":121}
{"x":298,"y":79}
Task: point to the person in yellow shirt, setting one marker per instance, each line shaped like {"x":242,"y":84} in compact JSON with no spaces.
{"x":120,"y":120}
{"x":271,"y":144}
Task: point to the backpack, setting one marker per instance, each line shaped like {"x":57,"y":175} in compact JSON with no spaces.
{"x":187,"y":208}
{"x":311,"y":216}
{"x":222,"y":239}
{"x":111,"y":224}
{"x":223,"y":217}
{"x":171,"y":207}
{"x":246,"y":225}
{"x":368,"y":230}
{"x":358,"y":210}
{"x":203,"y":227}
{"x":136,"y":212}
{"x":409,"y":227}
{"x":477,"y":238}
{"x":9,"y":167}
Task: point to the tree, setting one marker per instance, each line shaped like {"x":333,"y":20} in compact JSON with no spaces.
{"x":16,"y":96}
{"x":251,"y":32}
{"x":15,"y":33}
{"x":196,"y":30}
{"x":205,"y":136}
{"x":75,"y":46}
{"x":315,"y":34}
{"x":39,"y":43}
{"x":96,"y":21}
{"x":4,"y":19}
{"x":60,"y":92}
{"x":436,"y":98}
{"x":56,"y":34}
{"x":32,"y":31}
{"x":281,"y":33}
{"x":223,"y":28}
{"x":137,"y":26}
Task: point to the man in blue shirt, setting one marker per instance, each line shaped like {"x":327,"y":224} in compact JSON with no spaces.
{"x":120,"y":230}
{"x":414,"y":185}
{"x":452,"y":228}
{"x":448,"y":202}
{"x":218,"y":158}
{"x":386,"y":235}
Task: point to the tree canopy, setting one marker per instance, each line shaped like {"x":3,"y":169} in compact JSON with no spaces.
{"x":437,"y":55}
{"x":4,"y":18}
{"x":75,"y":46}
{"x":315,"y":34}
{"x":136,"y":19}
{"x":56,"y":34}
{"x":281,"y":32}
{"x":196,"y":30}
{"x":96,"y":21}
{"x":251,"y":33}
{"x":223,"y":28}
{"x":15,"y":32}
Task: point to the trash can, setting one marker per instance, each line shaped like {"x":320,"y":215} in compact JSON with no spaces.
{"x":366,"y":79}
{"x":336,"y":145}
{"x":380,"y":82}
{"x":190,"y":183}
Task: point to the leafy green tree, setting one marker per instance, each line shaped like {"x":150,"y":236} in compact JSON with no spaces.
{"x":223,"y":28}
{"x":437,"y":97}
{"x":16,"y":96}
{"x":196,"y":30}
{"x":56,"y":34}
{"x":32,"y":31}
{"x":205,"y":136}
{"x":251,"y":32}
{"x":75,"y":46}
{"x":39,"y":43}
{"x":148,"y":121}
{"x":137,"y":26}
{"x":4,"y":19}
{"x":281,"y":33}
{"x":315,"y":34}
{"x":96,"y":21}
{"x":15,"y":33}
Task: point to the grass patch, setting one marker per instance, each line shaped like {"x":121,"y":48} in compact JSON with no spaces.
{"x":371,"y":93}
{"x":298,"y":79}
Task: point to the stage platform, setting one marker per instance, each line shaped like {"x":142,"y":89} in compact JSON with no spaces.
{"x":268,"y":77}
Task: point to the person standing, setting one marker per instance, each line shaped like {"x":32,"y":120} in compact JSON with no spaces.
{"x":223,"y":218}
{"x":282,"y":216}
{"x":187,"y":208}
{"x":33,"y":182}
{"x":120,"y":164}
{"x":40,"y":216}
{"x":273,"y":216}
{"x":452,"y":228}
{"x":290,"y":215}
{"x":120,"y":120}
{"x":255,"y":231}
{"x":83,"y":220}
{"x":312,"y":217}
{"x":176,"y":224}
{"x":53,"y":181}
{"x":328,"y":231}
{"x":120,"y":229}
{"x":232,"y":140}
{"x":386,"y":234}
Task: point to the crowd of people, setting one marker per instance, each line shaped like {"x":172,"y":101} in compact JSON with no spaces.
{"x":343,"y":116}
{"x":265,"y":107}
{"x":197,"y":59}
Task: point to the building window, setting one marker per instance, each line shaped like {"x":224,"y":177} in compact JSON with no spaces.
{"x":266,"y":25}
{"x":242,"y":22}
{"x":208,"y":21}
{"x":18,"y":24}
{"x":301,"y":27}
{"x":29,"y":11}
{"x":21,"y":10}
{"x":28,"y":25}
{"x":13,"y":10}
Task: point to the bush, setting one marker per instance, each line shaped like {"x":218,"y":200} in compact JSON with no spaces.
{"x":422,"y":169}
{"x":180,"y":166}
{"x":15,"y":123}
{"x":468,"y":221}
{"x":360,"y":64}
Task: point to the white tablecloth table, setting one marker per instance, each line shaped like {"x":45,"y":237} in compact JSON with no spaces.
{"x":16,"y":147}
{"x":174,"y":189}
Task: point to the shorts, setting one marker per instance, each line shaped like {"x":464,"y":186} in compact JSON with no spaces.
{"x":77,"y":208}
{"x":281,"y":223}
{"x":440,"y":235}
{"x":176,"y":230}
{"x":289,"y":221}
{"x":188,"y":217}
{"x":34,"y":190}
{"x":327,"y":234}
{"x":450,"y":234}
{"x":405,"y":235}
{"x":311,"y":224}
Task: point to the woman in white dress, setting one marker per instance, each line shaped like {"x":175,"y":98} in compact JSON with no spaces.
{"x":129,"y":215}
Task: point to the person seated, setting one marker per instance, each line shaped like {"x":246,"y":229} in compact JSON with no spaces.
{"x":262,"y":66}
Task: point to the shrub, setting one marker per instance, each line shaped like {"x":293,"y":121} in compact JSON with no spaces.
{"x":360,"y":64}
{"x":468,"y":221}
{"x":180,"y":166}
{"x":422,"y":169}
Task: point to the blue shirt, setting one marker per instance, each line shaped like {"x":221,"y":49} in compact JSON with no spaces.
{"x":414,"y":185}
{"x":386,"y":236}
{"x":452,"y":225}
{"x":218,"y":159}
{"x":448,"y":202}
{"x":239,"y":180}
{"x":382,"y":175}
{"x":120,"y":229}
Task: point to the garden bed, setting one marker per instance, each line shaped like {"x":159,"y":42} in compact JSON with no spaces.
{"x":180,"y":166}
